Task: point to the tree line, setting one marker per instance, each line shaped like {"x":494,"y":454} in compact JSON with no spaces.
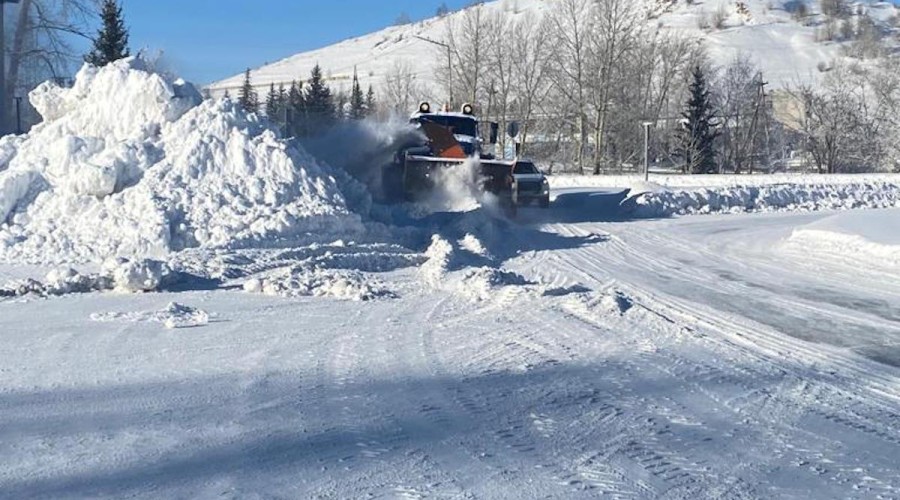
{"x":305,"y":109}
{"x":583,"y":78}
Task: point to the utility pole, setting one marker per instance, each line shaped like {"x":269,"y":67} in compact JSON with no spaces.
{"x":760,"y":99}
{"x":449,"y":65}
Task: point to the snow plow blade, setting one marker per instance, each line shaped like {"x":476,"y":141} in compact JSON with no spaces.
{"x":424,"y":173}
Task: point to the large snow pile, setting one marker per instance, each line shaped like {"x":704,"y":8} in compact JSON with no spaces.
{"x":770,"y":198}
{"x":132,"y":163}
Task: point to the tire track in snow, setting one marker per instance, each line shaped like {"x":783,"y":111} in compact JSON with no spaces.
{"x":548,"y":345}
{"x":505,"y":422}
{"x":748,"y":353}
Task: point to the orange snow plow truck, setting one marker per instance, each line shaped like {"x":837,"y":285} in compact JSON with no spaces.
{"x":452,"y":143}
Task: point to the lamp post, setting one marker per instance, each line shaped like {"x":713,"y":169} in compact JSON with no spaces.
{"x":449,"y":65}
{"x":18,"y":115}
{"x":646,"y":149}
{"x":4,"y":111}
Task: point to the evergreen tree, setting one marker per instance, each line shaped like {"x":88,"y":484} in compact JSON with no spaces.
{"x":699,"y":132}
{"x":272,"y":103}
{"x":319,"y":103}
{"x":443,"y":10}
{"x":341,"y":106}
{"x":247,"y":98}
{"x":281,"y":97}
{"x":111,"y":43}
{"x":357,"y":100}
{"x":371,"y":105}
{"x":295,"y":108}
{"x":403,"y":19}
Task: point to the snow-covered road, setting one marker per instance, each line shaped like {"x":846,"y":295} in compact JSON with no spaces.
{"x":696,"y":357}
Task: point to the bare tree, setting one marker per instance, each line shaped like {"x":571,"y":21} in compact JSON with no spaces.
{"x":401,"y":90}
{"x":41,"y":45}
{"x":499,"y":76}
{"x":468,"y":38}
{"x":740,"y":96}
{"x":835,"y":122}
{"x":531,"y":56}
{"x":885,"y":84}
{"x":617,"y":28}
{"x":572,"y":24}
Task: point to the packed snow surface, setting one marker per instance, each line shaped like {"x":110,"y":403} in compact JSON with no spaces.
{"x":131,"y":163}
{"x":681,"y":358}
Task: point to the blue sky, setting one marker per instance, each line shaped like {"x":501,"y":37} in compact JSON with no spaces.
{"x":206,"y":40}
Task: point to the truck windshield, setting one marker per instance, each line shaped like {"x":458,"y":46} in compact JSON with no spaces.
{"x":458,"y":125}
{"x":524,"y":167}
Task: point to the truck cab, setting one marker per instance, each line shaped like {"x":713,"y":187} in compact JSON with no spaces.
{"x":532,"y":185}
{"x":465,"y":129}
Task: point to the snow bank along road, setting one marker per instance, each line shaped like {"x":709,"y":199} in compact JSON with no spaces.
{"x":555,"y":357}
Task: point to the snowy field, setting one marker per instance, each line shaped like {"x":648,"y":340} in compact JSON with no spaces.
{"x":296,"y":341}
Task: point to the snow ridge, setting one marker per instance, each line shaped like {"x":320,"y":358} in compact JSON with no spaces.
{"x":771,"y":198}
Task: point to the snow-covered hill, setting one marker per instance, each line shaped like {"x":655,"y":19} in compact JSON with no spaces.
{"x":784,"y":48}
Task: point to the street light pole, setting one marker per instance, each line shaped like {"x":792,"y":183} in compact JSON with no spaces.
{"x":449,"y":65}
{"x":647,"y":150}
{"x":18,"y":115}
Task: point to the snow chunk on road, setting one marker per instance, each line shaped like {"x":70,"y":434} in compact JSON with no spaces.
{"x":60,"y":281}
{"x":482,"y":284}
{"x":123,"y":275}
{"x":450,"y":268}
{"x":302,"y":282}
{"x":439,"y":255}
{"x":144,"y":275}
{"x":174,"y":315}
{"x":132,"y":163}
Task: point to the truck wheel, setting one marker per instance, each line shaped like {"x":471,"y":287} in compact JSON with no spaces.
{"x":391,"y":185}
{"x":545,"y":201}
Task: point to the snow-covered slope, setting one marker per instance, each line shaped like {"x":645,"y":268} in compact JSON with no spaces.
{"x":785,"y":49}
